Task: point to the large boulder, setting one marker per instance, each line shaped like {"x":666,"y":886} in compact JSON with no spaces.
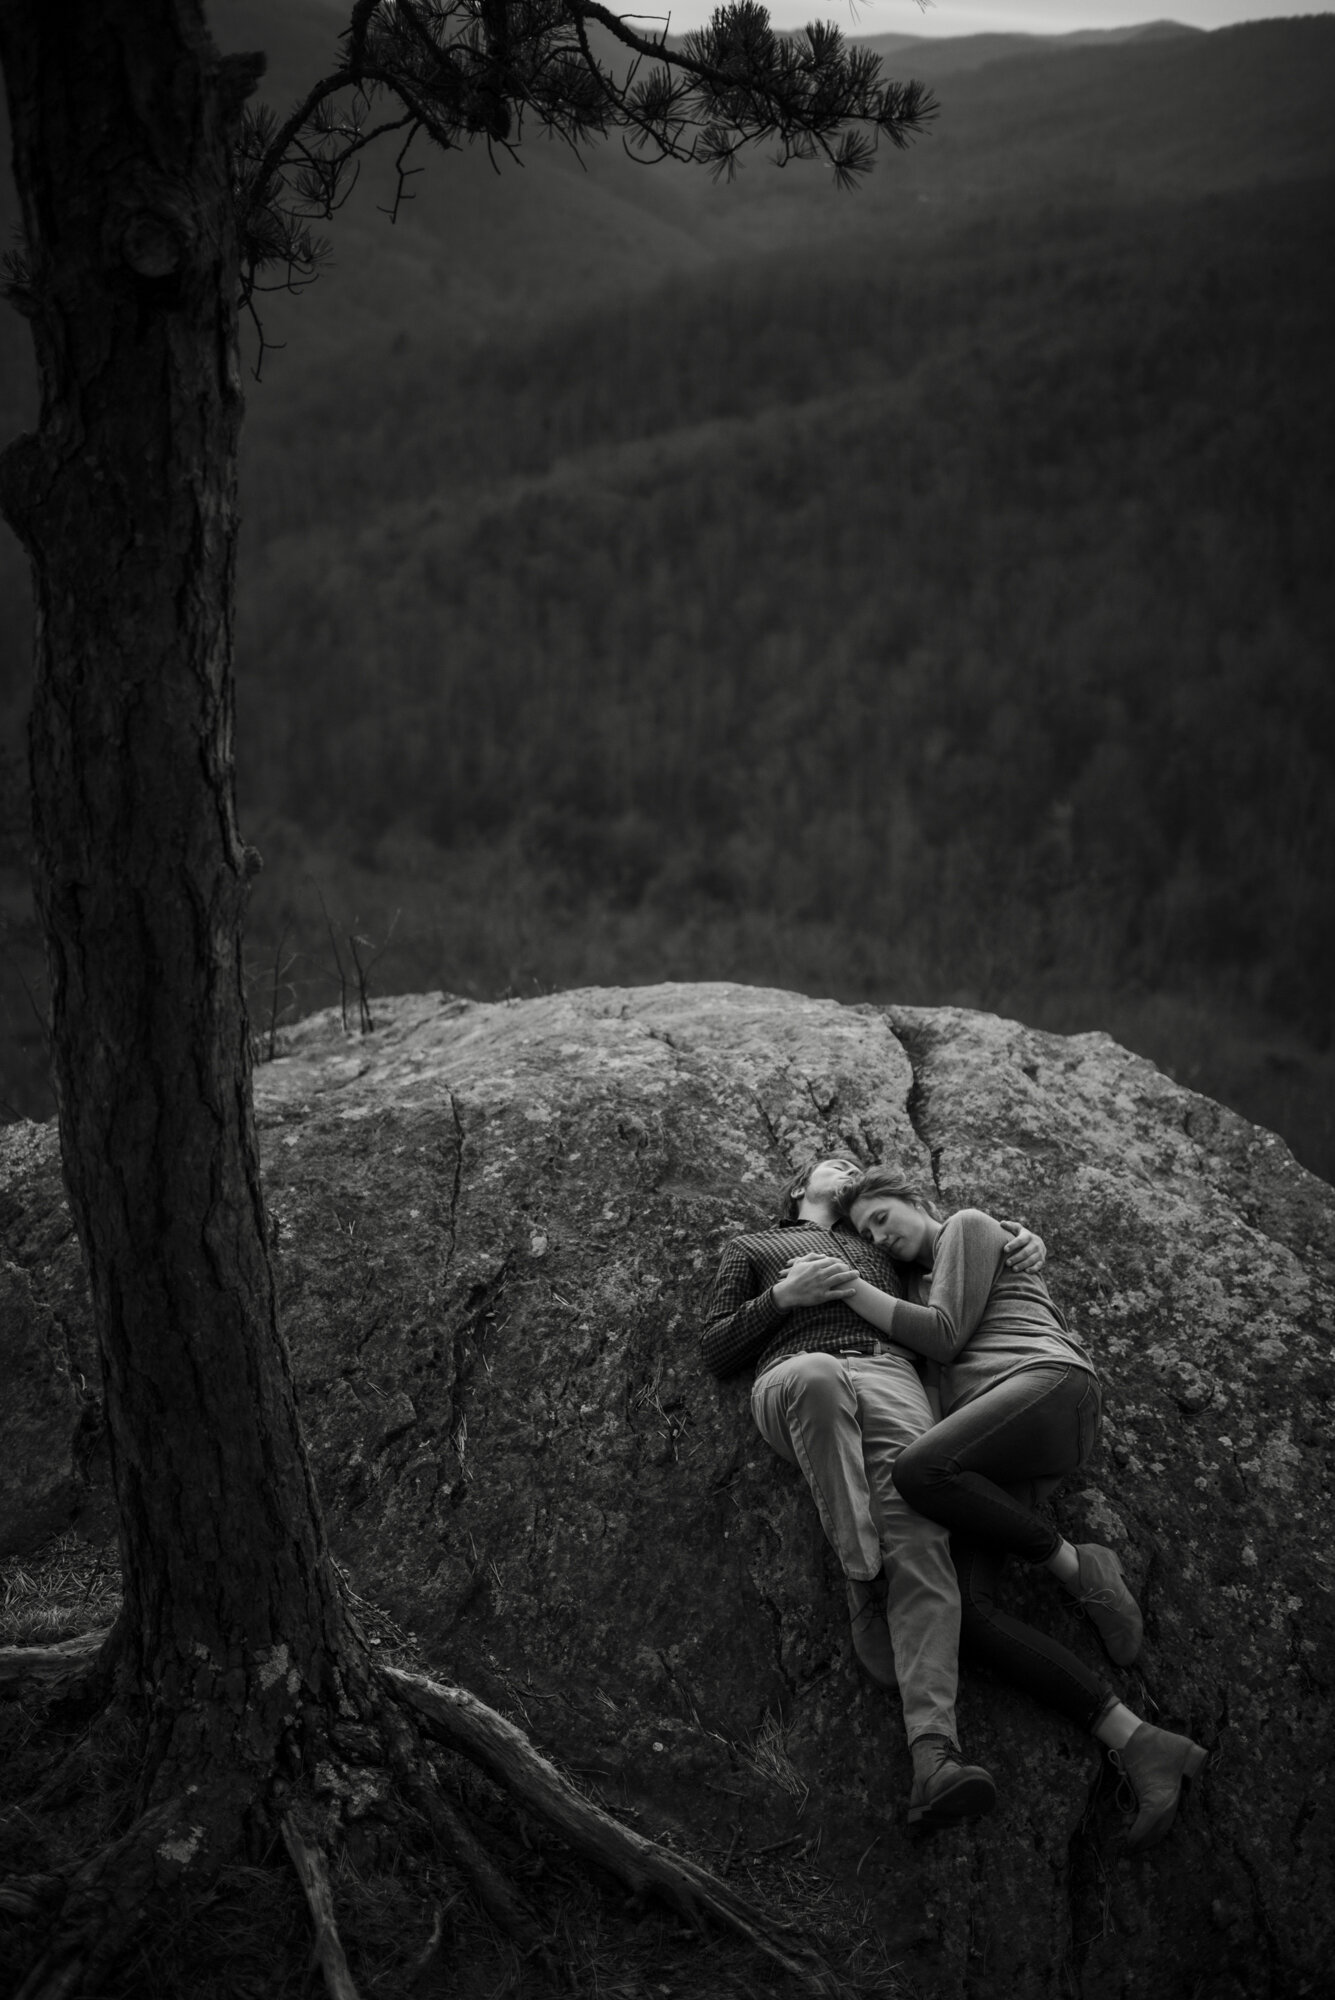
{"x":496,"y":1225}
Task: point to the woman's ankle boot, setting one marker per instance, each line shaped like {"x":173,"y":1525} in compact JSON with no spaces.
{"x":1158,"y":1765}
{"x":1101,"y":1592}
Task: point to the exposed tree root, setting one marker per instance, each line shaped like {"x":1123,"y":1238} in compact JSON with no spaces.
{"x":418,"y":1784}
{"x":97,"y":1915}
{"x":314,"y":1878}
{"x":109,"y":1900}
{"x":24,"y":1667}
{"x":459,"y":1720}
{"x":25,"y":1895}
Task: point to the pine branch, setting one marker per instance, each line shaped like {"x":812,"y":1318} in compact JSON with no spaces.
{"x":459,"y":70}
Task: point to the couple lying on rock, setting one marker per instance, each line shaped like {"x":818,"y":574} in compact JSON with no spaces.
{"x":859,"y":1309}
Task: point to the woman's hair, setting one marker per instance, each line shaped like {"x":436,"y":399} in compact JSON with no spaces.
{"x":893,"y":1184}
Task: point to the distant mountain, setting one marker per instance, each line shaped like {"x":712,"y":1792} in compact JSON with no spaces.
{"x":919,"y":591}
{"x":933,"y":56}
{"x":1159,"y":110}
{"x":484,"y":259}
{"x":481,"y":253}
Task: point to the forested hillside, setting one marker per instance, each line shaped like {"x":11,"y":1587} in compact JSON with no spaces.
{"x":921,"y":594}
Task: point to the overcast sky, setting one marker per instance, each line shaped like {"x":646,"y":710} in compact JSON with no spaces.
{"x":972,"y":17}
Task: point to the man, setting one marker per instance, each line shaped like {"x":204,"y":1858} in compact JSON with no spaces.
{"x":841,"y":1403}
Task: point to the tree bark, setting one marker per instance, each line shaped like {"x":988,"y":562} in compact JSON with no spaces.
{"x":122,"y":114}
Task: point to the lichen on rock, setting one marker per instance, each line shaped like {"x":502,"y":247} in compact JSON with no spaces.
{"x":495,"y":1229}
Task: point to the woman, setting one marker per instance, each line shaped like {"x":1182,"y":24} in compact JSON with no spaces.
{"x":1022,"y":1404}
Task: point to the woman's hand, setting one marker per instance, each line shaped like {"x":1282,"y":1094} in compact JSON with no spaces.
{"x":1024,"y":1251}
{"x":814,"y":1280}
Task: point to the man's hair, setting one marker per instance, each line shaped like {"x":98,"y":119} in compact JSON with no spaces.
{"x":797,"y":1186}
{"x":892,"y":1183}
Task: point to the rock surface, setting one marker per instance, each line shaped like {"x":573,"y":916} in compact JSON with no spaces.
{"x":496,"y":1225}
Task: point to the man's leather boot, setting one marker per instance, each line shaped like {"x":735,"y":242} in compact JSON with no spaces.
{"x":871,"y":1634}
{"x":945,"y":1789}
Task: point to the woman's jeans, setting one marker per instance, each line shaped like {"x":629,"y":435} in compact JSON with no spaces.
{"x":981,"y":1472}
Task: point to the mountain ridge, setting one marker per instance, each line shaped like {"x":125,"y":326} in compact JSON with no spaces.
{"x":1082,"y":552}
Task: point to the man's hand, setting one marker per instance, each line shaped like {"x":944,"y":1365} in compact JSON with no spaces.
{"x":813,"y":1281}
{"x":1024,"y":1251}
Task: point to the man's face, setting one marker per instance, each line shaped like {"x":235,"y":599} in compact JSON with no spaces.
{"x":828,"y":1176}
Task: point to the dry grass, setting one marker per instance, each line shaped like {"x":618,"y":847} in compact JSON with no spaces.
{"x":769,"y":1758}
{"x":66,"y":1587}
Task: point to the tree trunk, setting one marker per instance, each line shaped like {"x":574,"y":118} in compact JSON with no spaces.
{"x":260,"y":1692}
{"x":122,"y":115}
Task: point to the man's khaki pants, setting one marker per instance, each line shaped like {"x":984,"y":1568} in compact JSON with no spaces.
{"x":843,"y":1420}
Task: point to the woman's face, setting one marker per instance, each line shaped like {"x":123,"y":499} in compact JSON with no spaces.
{"x":899,"y":1226}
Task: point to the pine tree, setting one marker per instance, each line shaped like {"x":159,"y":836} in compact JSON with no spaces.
{"x":155,"y":204}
